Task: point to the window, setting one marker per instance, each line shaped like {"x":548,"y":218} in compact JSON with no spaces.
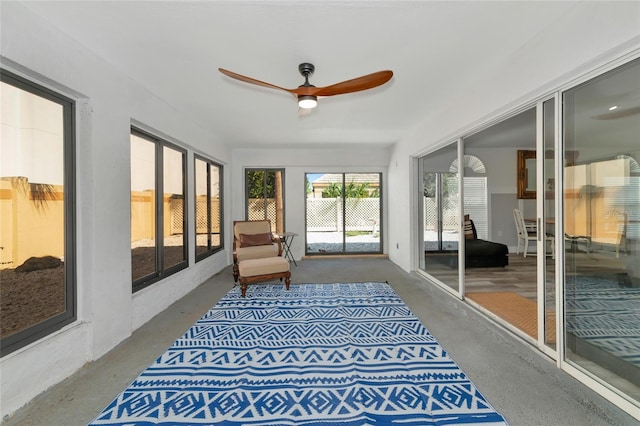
{"x":208,"y":208}
{"x":157,"y":209}
{"x":265,"y":196}
{"x":37,"y":252}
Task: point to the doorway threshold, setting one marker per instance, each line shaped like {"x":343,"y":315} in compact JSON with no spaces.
{"x":342,"y":256}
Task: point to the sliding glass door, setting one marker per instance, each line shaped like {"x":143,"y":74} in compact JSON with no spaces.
{"x":569,"y":166}
{"x":362,"y":213}
{"x":440,"y":224}
{"x":343,"y":213}
{"x":324,"y":218}
{"x":601,"y":197}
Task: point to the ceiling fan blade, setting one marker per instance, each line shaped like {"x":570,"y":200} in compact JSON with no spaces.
{"x":365,"y":82}
{"x":253,"y":80}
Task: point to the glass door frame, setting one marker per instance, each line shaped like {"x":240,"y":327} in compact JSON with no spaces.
{"x":541,"y":223}
{"x":461,"y":238}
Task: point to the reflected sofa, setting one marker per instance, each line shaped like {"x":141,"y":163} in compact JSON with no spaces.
{"x":481,"y":253}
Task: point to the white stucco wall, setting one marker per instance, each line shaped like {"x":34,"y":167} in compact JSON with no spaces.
{"x":108,"y":101}
{"x":296,"y":163}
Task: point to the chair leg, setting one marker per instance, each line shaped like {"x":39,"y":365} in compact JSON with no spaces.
{"x":236,"y":272}
{"x":526,"y":247}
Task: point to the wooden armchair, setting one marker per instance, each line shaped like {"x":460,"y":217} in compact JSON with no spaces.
{"x":253,"y":239}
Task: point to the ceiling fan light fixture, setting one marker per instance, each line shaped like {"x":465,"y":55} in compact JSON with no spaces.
{"x":307,"y":101}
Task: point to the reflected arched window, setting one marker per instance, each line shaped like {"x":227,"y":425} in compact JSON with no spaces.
{"x":475,"y":192}
{"x":634,"y":167}
{"x":470,"y":161}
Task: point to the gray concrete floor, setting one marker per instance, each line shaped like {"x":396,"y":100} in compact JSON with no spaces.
{"x":518,"y":381}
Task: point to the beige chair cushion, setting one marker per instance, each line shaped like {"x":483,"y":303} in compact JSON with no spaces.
{"x":256,"y":252}
{"x":270,"y":265}
{"x":251,"y":227}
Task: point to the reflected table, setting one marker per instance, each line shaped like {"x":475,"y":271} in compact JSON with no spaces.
{"x":287,"y":239}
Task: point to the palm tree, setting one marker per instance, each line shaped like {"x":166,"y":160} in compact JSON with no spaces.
{"x":357,"y":191}
{"x":307,"y":185}
{"x":334,"y":190}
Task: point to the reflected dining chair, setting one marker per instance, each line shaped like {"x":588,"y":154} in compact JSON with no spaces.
{"x":526,"y":234}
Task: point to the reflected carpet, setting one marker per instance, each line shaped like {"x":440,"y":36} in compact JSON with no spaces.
{"x":604,"y":311}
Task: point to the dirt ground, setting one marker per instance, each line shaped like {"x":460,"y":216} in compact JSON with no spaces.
{"x":143,"y":259}
{"x":29,"y":298}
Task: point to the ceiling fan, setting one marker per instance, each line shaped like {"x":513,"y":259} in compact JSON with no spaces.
{"x":307,"y":93}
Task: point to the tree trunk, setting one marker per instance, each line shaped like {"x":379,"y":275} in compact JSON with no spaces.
{"x":279,"y":202}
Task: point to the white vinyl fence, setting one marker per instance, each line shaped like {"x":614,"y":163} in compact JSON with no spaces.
{"x":325,"y":214}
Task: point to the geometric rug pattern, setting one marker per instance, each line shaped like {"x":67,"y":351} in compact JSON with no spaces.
{"x":606,"y":313}
{"x":317,"y":354}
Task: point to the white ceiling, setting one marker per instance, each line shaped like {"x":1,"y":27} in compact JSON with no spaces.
{"x":174,"y":48}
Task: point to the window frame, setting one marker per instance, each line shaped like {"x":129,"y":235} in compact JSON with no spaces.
{"x":38,"y":331}
{"x":160,"y":272}
{"x":210,"y":249}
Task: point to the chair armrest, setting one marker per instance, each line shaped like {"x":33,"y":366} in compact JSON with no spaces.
{"x":276,"y":239}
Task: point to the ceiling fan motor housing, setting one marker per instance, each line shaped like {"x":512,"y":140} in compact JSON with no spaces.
{"x":307,"y":101}
{"x":306,"y":69}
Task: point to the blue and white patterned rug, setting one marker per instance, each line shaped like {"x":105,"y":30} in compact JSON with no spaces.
{"x":318,"y":354}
